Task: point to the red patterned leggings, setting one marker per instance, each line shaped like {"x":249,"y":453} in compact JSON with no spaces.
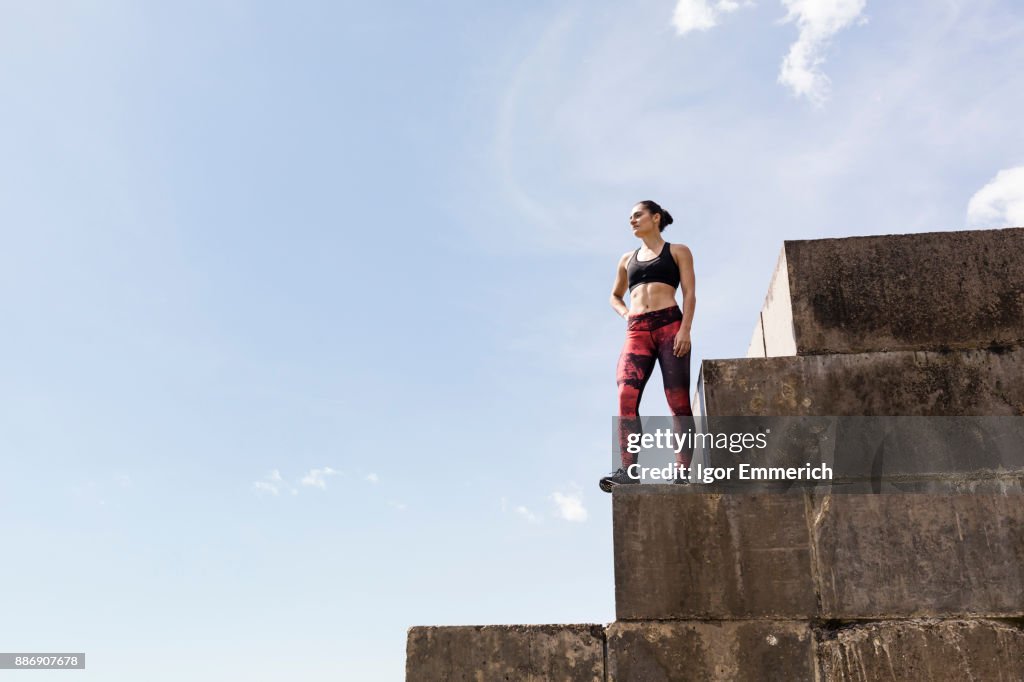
{"x":649,"y":338}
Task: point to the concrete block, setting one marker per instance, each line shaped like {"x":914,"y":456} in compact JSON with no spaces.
{"x":924,"y":650}
{"x":734,"y":651}
{"x":505,"y":652}
{"x":681,"y":554}
{"x":900,"y":383}
{"x":930,"y":291}
{"x":899,"y":556}
{"x":775,"y":323}
{"x":878,"y":454}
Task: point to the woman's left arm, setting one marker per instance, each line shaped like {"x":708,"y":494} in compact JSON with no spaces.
{"x":687,"y":282}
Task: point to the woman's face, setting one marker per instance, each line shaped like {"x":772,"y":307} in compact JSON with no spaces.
{"x":642,"y":221}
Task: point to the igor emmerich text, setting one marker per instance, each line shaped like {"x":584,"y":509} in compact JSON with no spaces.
{"x":744,"y":472}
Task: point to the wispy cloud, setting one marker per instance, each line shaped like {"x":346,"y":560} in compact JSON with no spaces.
{"x":817,"y":21}
{"x":570,"y":505}
{"x":700,"y":15}
{"x":400,"y":506}
{"x":1000,"y":203}
{"x":273,"y":484}
{"x":527,"y":514}
{"x":264,"y":487}
{"x":908,"y":122}
{"x":317,"y":478}
{"x":524,"y":80}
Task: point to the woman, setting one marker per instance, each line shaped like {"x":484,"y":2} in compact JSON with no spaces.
{"x":656,"y":329}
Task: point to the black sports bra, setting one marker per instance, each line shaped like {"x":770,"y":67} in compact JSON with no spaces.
{"x":662,"y":269}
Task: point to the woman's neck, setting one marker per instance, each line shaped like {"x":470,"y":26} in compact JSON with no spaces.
{"x":654,"y":242}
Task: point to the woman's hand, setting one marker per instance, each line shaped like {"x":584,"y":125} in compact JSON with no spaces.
{"x":681,"y":344}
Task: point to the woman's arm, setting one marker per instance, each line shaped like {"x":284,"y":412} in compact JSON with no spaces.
{"x":620,"y":286}
{"x":687,"y":281}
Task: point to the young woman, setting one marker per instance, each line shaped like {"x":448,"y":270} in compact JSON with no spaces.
{"x":656,"y":329}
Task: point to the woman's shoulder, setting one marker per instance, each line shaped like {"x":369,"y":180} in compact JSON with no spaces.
{"x":624,"y":258}
{"x":681,"y":250}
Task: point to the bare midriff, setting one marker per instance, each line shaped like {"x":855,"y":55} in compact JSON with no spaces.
{"x":646,"y":298}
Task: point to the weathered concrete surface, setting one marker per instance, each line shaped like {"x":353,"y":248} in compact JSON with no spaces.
{"x":903,"y":383}
{"x":505,"y":652}
{"x":933,"y":291}
{"x":735,"y":651}
{"x":882,"y":454}
{"x":681,"y":554}
{"x":924,"y":650}
{"x":886,"y":556}
{"x":773,"y":334}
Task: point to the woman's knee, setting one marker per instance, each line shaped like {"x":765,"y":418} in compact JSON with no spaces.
{"x":629,"y":400}
{"x":678,"y":401}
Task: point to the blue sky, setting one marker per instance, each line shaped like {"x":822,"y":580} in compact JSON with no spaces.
{"x":306,"y":336}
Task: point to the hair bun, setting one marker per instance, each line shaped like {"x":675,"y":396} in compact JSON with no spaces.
{"x":665,"y":217}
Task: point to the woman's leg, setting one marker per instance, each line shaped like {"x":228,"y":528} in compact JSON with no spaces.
{"x":634,"y":369}
{"x":675,"y":374}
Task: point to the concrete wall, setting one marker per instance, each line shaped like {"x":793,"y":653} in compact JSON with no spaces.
{"x":934,"y":291}
{"x":923,"y":650}
{"x":774,"y":334}
{"x":802,"y":585}
{"x":736,"y":651}
{"x":924,"y":383}
{"x":762,"y":650}
{"x":681,"y":554}
{"x":481,"y":653}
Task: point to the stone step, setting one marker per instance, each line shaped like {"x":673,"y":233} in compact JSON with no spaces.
{"x":862,"y":454}
{"x":505,"y":652}
{"x":924,"y":650}
{"x":929,"y":291}
{"x":905,"y":383}
{"x":682,"y":554}
{"x":734,"y":651}
{"x":722,"y":651}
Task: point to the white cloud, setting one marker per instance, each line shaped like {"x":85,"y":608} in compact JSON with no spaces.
{"x":372,"y":477}
{"x":700,"y":15}
{"x":264,"y":487}
{"x":570,"y":505}
{"x":1000,"y":203}
{"x":273,"y":484}
{"x":527,"y":514}
{"x":818,"y":21}
{"x":400,"y":506}
{"x":317,"y":477}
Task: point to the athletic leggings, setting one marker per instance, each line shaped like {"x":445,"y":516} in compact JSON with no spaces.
{"x":649,"y":337}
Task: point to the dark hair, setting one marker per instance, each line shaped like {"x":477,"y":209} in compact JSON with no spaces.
{"x":666,"y":217}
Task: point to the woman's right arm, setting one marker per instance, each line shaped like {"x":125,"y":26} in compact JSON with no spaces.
{"x":620,"y":287}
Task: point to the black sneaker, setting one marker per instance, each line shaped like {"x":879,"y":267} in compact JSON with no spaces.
{"x":620,"y":477}
{"x":680,"y":478}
